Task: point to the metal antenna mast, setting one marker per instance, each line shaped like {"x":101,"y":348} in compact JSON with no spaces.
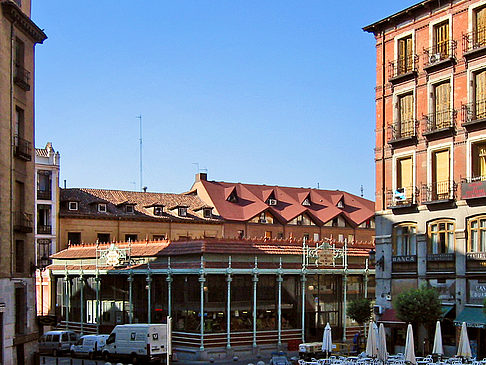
{"x":141,"y":178}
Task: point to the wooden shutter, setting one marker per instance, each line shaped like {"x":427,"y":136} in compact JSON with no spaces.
{"x":480,"y":94}
{"x":406,"y":115}
{"x":480,"y":36}
{"x":440,"y":173}
{"x":442,"y":105}
{"x":479,"y":160}
{"x":442,"y":39}
{"x":405,"y":59}
{"x":405,"y":175}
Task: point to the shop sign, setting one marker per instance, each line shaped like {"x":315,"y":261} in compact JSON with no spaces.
{"x":401,"y":259}
{"x":470,"y":325}
{"x":476,"y":256}
{"x":440,"y":257}
{"x":473,"y":190}
{"x":114,"y":256}
{"x":477,"y":291}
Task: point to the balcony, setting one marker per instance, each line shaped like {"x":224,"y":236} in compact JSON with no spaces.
{"x":440,"y":124}
{"x":440,"y":56}
{"x":403,"y":69}
{"x":439,"y":192}
{"x":406,"y":197}
{"x":44,"y":229}
{"x":473,"y":188}
{"x":474,"y":115}
{"x":22,"y":149}
{"x":474,"y":43}
{"x":23,"y":222}
{"x":403,"y":133}
{"x":44,"y":194}
{"x":22,"y":78}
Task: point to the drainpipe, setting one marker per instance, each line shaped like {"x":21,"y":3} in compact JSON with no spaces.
{"x":11,"y":150}
{"x":383,"y":134}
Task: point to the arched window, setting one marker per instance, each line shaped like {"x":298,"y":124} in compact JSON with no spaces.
{"x":477,"y":234}
{"x":404,"y":239}
{"x":441,"y":237}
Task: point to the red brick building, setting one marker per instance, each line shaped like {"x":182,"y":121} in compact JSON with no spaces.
{"x":431,"y":158}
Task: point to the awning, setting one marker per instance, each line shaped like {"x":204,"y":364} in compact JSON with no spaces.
{"x":473,"y":316}
{"x":390,"y":317}
{"x":445,"y":310}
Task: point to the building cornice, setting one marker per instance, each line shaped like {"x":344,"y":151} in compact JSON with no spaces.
{"x":13,"y":13}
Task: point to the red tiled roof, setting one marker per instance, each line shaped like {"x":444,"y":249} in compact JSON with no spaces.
{"x":252,"y":201}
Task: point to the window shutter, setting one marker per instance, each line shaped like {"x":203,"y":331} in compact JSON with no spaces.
{"x":480,"y":94}
{"x":442,"y":104}
{"x":405,"y":174}
{"x":480,"y":27}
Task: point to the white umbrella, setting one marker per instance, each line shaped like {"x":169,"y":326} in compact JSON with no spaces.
{"x":438,"y":349}
{"x":409,"y":349}
{"x":382,"y":354}
{"x":464,"y":349}
{"x":371,"y":341}
{"x":327,"y":339}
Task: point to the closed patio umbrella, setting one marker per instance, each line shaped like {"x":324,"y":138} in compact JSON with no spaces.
{"x":382,"y":353}
{"x":464,"y":348}
{"x":438,"y":349}
{"x":327,"y":340}
{"x":409,"y":349}
{"x":371,"y":341}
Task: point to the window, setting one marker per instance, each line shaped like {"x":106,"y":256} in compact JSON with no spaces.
{"x":263,"y":218}
{"x":19,"y":256}
{"x":158,"y":237}
{"x":440,"y":175}
{"x":19,"y":123}
{"x":182,"y":211}
{"x":335,"y":222}
{"x":340,"y":204}
{"x":43,"y":251}
{"x":477,"y":234}
{"x":479,"y":107}
{"x":74,"y":238}
{"x":306,"y":237}
{"x":480,"y":27}
{"x":241,"y":234}
{"x":406,"y":122}
{"x":129,"y":208}
{"x":131,"y":237}
{"x":306,"y":202}
{"x":268,"y":234}
{"x":441,"y":40}
{"x":441,"y":237}
{"x":103,"y":237}
{"x":233,"y":197}
{"x":272,"y":201}
{"x":19,"y":53}
{"x":20,"y":310}
{"x":405,"y":56}
{"x":73,"y":205}
{"x":43,"y":219}
{"x":404,"y":188}
{"x":207,"y":213}
{"x":158,"y":210}
{"x":442,"y":105}
{"x":478,"y":151}
{"x":280,"y":235}
{"x":102,"y":207}
{"x":404,"y":239}
{"x":44,"y":184}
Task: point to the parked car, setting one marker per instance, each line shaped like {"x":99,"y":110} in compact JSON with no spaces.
{"x":57,"y":342}
{"x":137,"y":342}
{"x":89,"y":345}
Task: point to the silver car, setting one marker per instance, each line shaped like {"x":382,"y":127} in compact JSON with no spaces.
{"x":57,"y":342}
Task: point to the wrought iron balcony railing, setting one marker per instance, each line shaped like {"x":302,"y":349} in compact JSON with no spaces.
{"x":402,"y":130}
{"x":474,"y":112}
{"x":44,"y":194}
{"x":440,"y":120}
{"x":44,"y":229}
{"x":403,"y":66}
{"x":22,"y":77}
{"x":23,"y":222}
{"x":474,"y":40}
{"x":439,"y":52}
{"x":402,"y":197}
{"x":438,"y":192}
{"x":23,"y":148}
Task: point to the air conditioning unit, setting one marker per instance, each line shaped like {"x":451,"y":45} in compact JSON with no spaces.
{"x":388,"y":297}
{"x":378,"y":309}
{"x":400,"y":195}
{"x":272,"y":201}
{"x":435,"y":57}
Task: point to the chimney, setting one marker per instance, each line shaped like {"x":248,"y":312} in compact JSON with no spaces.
{"x":201,"y":176}
{"x":144,"y":189}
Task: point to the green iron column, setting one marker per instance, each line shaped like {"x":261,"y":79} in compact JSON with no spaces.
{"x":279,"y":281}
{"x":202,"y":280}
{"x":97,"y":312}
{"x":130,"y":297}
{"x":149,"y":297}
{"x":303,"y":280}
{"x":81,"y":299}
{"x":255,"y":283}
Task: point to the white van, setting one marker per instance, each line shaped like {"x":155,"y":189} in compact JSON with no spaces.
{"x":138,"y":342}
{"x":89,"y":345}
{"x":57,"y":342}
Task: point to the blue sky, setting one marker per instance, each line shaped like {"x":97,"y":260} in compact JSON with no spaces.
{"x":268,"y":92}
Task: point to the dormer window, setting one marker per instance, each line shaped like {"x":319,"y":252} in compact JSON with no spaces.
{"x":263,"y":218}
{"x":306,"y":202}
{"x":102,"y":207}
{"x":207,"y":213}
{"x":158,"y":210}
{"x":182,"y":211}
{"x":129,"y":209}
{"x":272,"y":201}
{"x":300,"y":220}
{"x":233,"y":198}
{"x":73,"y":206}
{"x":340,"y":204}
